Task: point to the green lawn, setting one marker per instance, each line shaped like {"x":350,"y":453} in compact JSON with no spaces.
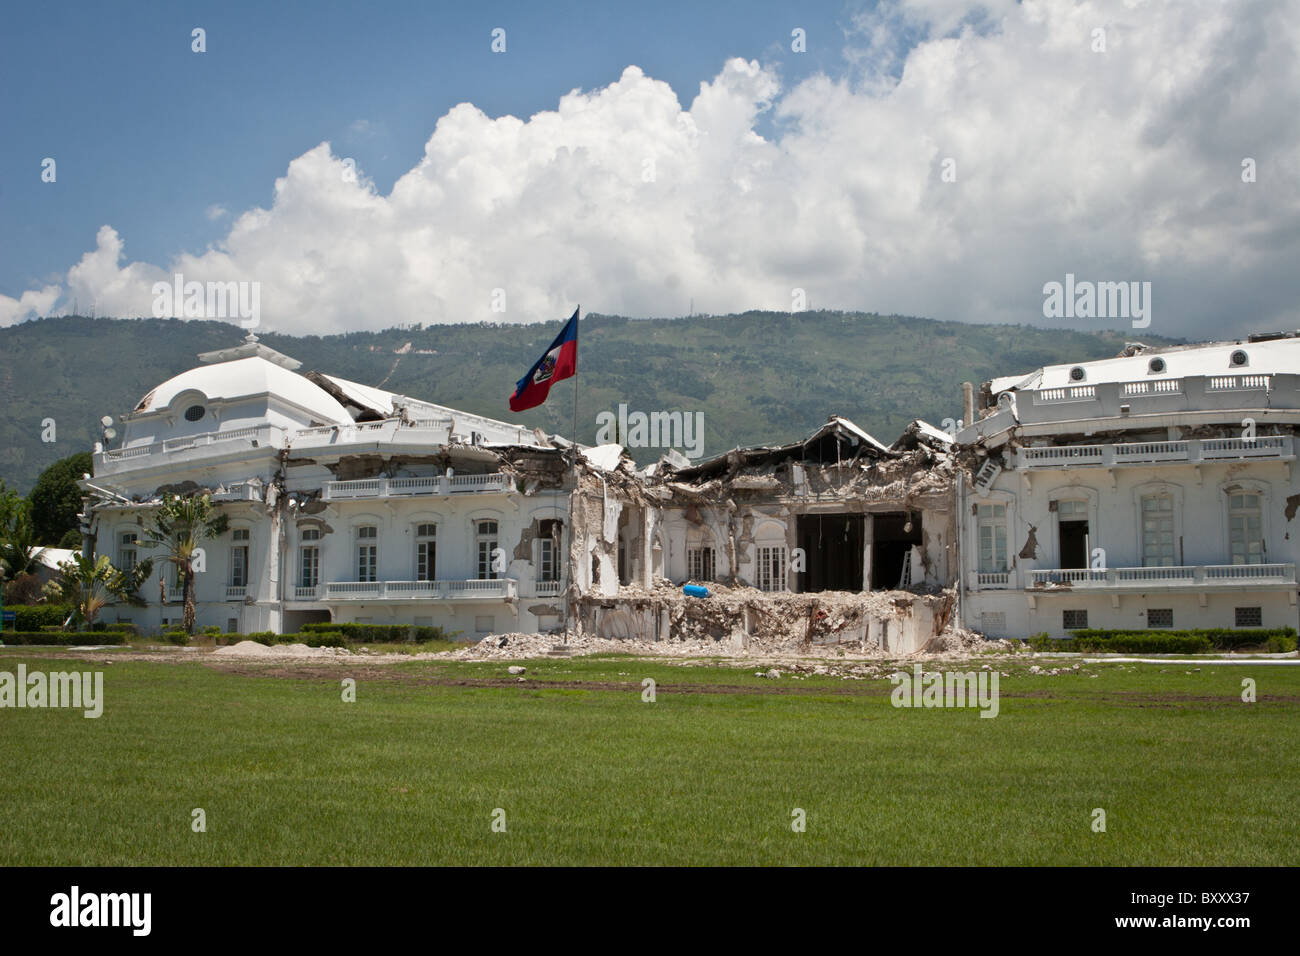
{"x":709,"y":774}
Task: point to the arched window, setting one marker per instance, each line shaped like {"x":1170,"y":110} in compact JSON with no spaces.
{"x":1158,"y":530}
{"x":1246,"y":528}
{"x":367,"y":553}
{"x":309,"y":558}
{"x":426,"y":552}
{"x":485,"y":537}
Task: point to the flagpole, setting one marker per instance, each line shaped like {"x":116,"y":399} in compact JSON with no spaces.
{"x":573,"y":570}
{"x":575,"y":385}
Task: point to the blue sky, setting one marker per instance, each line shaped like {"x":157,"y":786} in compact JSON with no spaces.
{"x":941,"y":158}
{"x":149,"y":135}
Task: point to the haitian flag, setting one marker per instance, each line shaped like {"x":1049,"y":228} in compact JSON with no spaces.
{"x":559,"y":362}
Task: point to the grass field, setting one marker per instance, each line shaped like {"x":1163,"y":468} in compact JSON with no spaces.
{"x":587,"y":773}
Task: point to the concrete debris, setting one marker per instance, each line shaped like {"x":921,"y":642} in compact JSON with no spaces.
{"x":247,"y":649}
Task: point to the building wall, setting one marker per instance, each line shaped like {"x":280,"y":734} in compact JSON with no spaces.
{"x":1200,"y":497}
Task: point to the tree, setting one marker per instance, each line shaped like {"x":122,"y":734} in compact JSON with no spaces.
{"x":90,"y":584}
{"x":180,"y":526}
{"x":19,"y":550}
{"x":56,"y":500}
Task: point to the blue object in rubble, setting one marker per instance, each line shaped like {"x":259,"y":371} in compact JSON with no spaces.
{"x":694,"y":590}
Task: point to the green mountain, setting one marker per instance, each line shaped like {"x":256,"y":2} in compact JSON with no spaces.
{"x":760,"y":377}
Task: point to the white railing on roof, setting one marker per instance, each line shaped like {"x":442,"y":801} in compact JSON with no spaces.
{"x":1155,"y":386}
{"x":1223,"y":383}
{"x":208,"y":438}
{"x":404,"y":487}
{"x":1062,"y":454}
{"x":1068,"y":393}
{"x":1136,"y":453}
{"x":265,"y":433}
{"x":135,"y":452}
{"x":1264,"y":446}
{"x":1150,"y":451}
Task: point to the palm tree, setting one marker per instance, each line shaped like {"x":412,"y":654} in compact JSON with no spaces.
{"x":180,"y":526}
{"x":93,"y":583}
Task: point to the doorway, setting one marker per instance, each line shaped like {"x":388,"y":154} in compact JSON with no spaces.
{"x":832,"y":544}
{"x":1072,"y":524}
{"x":893,"y":535}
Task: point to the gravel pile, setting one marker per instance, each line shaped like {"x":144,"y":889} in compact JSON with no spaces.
{"x":246,"y":649}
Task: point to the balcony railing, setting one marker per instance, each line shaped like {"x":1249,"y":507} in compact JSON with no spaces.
{"x":993,"y":579}
{"x":406,"y":487}
{"x":1189,"y":576}
{"x":418,"y":431}
{"x":235,"y":592}
{"x":489,"y":589}
{"x":268,"y":435}
{"x":1188,"y":398}
{"x":547,"y":588}
{"x":306,"y":592}
{"x":1138,"y":453}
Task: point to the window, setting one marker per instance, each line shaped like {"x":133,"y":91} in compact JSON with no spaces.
{"x":548,"y":551}
{"x":1074,"y":620}
{"x":1249,"y":617}
{"x":771,"y":569}
{"x":1158,"y":531}
{"x":426,"y":552}
{"x":1072,"y":510}
{"x":992,"y":537}
{"x":1245,"y":529}
{"x":308,"y":566}
{"x":126,"y":550}
{"x":239,"y":558}
{"x":367,"y":553}
{"x":486,"y":532}
{"x":232,"y":625}
{"x":699,"y":564}
{"x":195,"y":413}
{"x":1160,"y":617}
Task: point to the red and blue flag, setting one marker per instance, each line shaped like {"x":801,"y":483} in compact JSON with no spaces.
{"x":559,"y":362}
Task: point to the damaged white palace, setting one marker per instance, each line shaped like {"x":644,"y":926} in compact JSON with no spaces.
{"x":1152,"y":490}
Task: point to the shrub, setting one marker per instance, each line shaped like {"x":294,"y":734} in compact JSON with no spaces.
{"x":1168,"y":642}
{"x":177,"y":637}
{"x":378,"y":633}
{"x":322,"y":639}
{"x":33,"y":617}
{"x":62,"y":638}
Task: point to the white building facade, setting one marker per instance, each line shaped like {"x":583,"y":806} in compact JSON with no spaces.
{"x":1150,"y":491}
{"x":345,"y":503}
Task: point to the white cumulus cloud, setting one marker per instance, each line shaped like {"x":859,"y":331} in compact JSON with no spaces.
{"x":1117,"y":164}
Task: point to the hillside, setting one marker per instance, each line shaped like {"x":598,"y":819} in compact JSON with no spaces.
{"x":757,"y":377}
